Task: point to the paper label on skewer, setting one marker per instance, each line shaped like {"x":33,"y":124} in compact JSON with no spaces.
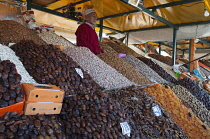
{"x":156,"y":109}
{"x":134,"y":98}
{"x":126,"y":130}
{"x":79,"y":71}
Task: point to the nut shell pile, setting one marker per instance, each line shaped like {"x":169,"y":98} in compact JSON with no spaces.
{"x":193,"y":103}
{"x":13,"y":32}
{"x":196,"y":91}
{"x":165,"y":59}
{"x":158,"y":69}
{"x":7,"y":53}
{"x":124,"y":68}
{"x":103,"y":74}
{"x":48,"y":65}
{"x":138,"y":104}
{"x":95,"y":116}
{"x":183,"y":116}
{"x":10,"y":90}
{"x":145,"y":70}
{"x":18,"y":126}
{"x":52,"y":38}
{"x":106,"y":48}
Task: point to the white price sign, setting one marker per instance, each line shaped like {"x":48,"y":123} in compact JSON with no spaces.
{"x":157,"y":110}
{"x":126,"y":130}
{"x":79,"y":71}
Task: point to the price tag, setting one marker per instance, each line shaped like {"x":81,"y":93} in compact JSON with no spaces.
{"x":79,"y":71}
{"x":157,"y":110}
{"x":126,"y":130}
{"x":134,"y":98}
{"x":153,"y":80}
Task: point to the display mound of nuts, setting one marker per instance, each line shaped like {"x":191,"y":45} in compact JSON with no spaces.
{"x":10,"y":90}
{"x":16,"y":33}
{"x":124,"y":68}
{"x":183,"y":116}
{"x":47,"y":64}
{"x":158,"y":69}
{"x":19,"y":126}
{"x":139,"y":105}
{"x":96,"y":116}
{"x":165,"y":59}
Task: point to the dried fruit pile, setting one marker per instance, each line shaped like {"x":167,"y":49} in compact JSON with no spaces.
{"x":183,"y":116}
{"x":52,"y":38}
{"x":103,"y":74}
{"x":158,"y":69}
{"x":7,"y":53}
{"x":95,"y":115}
{"x":120,"y":47}
{"x":199,"y":93}
{"x":106,"y":48}
{"x":138,"y":105}
{"x":10,"y":90}
{"x":165,"y":59}
{"x":13,"y":32}
{"x":124,"y":68}
{"x":14,"y":125}
{"x":145,"y":70}
{"x":47,"y":64}
{"x":205,"y":62}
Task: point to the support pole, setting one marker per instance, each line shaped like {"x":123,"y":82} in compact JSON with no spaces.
{"x":127,"y":37}
{"x":183,"y":52}
{"x":159,"y":48}
{"x":174,"y":47}
{"x":191,"y":55}
{"x":101,"y":30}
{"x":29,"y":2}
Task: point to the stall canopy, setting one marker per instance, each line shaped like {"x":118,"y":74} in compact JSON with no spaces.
{"x":150,"y":20}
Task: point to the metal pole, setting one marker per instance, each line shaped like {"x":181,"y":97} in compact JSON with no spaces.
{"x":183,"y":52}
{"x":159,"y":48}
{"x":101,"y":30}
{"x":29,"y":2}
{"x":127,"y":37}
{"x":174,"y":47}
{"x":189,"y":56}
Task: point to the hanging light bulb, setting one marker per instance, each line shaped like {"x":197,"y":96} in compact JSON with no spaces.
{"x":206,"y":12}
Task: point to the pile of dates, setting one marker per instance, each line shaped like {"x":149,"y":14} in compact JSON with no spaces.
{"x":96,"y":116}
{"x":199,"y":93}
{"x":47,"y":64}
{"x":165,"y":59}
{"x":19,"y":126}
{"x":138,"y":105}
{"x":10,"y":90}
{"x":158,"y":69}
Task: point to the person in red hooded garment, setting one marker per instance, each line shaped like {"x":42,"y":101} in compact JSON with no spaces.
{"x":86,"y":35}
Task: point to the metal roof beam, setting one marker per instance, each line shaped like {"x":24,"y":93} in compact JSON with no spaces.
{"x":76,"y":3}
{"x":152,"y":14}
{"x":173,"y":4}
{"x":203,"y":41}
{"x":167,"y":45}
{"x":120,"y":14}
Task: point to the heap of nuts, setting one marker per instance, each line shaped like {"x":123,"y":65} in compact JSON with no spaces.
{"x":183,"y":116}
{"x":14,"y":125}
{"x":139,"y":105}
{"x":96,"y":116}
{"x":124,"y":68}
{"x":16,"y":33}
{"x":10,"y":90}
{"x":199,"y":93}
{"x":48,"y":65}
{"x":158,"y":69}
{"x":106,"y":48}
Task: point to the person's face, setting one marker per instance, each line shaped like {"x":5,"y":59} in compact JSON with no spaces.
{"x":91,"y":18}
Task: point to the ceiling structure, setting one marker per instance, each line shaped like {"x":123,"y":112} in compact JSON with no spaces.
{"x":147,"y":19}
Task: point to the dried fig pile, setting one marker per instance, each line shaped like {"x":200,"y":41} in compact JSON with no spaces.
{"x":48,"y":65}
{"x":13,"y":32}
{"x":95,"y":116}
{"x":199,"y":93}
{"x":183,"y":116}
{"x":10,"y":90}
{"x":158,"y":69}
{"x":138,"y":105}
{"x":18,"y":126}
